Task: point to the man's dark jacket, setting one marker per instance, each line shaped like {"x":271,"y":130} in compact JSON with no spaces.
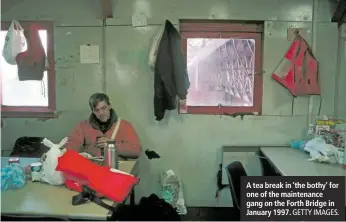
{"x":170,"y":72}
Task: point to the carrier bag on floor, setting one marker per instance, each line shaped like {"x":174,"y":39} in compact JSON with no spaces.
{"x":172,"y":191}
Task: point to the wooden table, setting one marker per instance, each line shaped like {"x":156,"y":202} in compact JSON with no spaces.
{"x":38,"y":199}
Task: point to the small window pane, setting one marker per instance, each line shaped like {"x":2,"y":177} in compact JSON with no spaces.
{"x":22,"y":93}
{"x":221,"y":72}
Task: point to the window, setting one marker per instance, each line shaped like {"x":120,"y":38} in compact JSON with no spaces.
{"x":224,"y":64}
{"x":28,"y":98}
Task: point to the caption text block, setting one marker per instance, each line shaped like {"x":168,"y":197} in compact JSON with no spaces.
{"x":293,"y":198}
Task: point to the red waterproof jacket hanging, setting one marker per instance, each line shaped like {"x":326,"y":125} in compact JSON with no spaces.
{"x":31,"y":63}
{"x":298,"y":70}
{"x":81,"y":171}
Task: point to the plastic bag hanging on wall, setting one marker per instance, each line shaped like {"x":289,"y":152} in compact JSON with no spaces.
{"x":298,"y":70}
{"x":15,"y":43}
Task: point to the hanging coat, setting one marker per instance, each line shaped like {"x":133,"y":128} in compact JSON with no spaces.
{"x":31,"y":63}
{"x":171,"y":79}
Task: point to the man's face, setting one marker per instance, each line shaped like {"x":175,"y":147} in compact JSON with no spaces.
{"x":102,"y":111}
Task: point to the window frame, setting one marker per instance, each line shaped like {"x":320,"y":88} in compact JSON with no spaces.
{"x":226,"y":29}
{"x":35,"y":111}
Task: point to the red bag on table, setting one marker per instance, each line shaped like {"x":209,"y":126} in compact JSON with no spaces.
{"x":80,"y":171}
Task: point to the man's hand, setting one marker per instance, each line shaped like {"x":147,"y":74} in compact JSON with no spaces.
{"x":101,"y":142}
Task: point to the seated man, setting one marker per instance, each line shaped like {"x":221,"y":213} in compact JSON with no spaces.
{"x":91,"y":135}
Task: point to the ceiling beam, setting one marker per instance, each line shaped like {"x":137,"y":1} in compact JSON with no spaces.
{"x":107,"y":10}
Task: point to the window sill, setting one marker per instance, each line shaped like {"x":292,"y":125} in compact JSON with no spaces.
{"x":227,"y":111}
{"x":28,"y":114}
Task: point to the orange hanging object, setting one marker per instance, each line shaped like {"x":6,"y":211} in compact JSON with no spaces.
{"x":298,"y":70}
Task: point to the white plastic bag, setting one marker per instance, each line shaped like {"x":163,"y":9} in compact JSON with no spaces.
{"x":321,"y":152}
{"x":49,"y":174}
{"x":15,"y":43}
{"x":172,"y":191}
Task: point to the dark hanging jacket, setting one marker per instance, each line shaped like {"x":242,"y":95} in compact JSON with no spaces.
{"x":170,"y":79}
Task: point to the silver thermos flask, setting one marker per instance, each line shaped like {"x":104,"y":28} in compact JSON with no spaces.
{"x":111,"y":155}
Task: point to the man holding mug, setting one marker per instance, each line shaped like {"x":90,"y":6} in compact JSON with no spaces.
{"x":91,"y":136}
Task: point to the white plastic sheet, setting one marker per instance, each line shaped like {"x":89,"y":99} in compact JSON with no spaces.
{"x":321,"y":152}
